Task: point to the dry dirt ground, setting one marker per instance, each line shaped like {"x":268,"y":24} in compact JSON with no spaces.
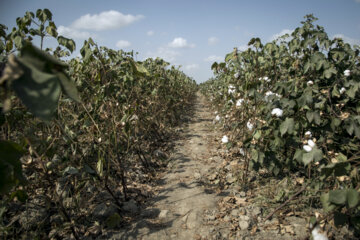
{"x":177,"y":212}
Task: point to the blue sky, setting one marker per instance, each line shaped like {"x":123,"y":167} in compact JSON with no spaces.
{"x":190,"y":33}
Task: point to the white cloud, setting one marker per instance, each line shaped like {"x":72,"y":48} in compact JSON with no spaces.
{"x":283,"y":32}
{"x":243,"y":47}
{"x":150,"y":33}
{"x":213,"y":40}
{"x":351,"y":41}
{"x":164,"y":53}
{"x":105,"y":21}
{"x":214,"y":58}
{"x":358,"y":1}
{"x":123,"y":44}
{"x":180,"y":42}
{"x":191,"y":66}
{"x":73,"y":33}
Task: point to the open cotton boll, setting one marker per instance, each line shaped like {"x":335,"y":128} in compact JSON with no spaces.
{"x":217,"y":118}
{"x":342,"y":90}
{"x":249,"y":125}
{"x":311,"y":143}
{"x":277,"y":112}
{"x":225,"y":139}
{"x":317,"y":235}
{"x":239,"y":102}
{"x":308,"y":134}
{"x":307,"y":148}
{"x":310,"y":83}
{"x":237,"y":75}
{"x":242,"y":152}
{"x":231,"y":101}
{"x":347,"y":72}
{"x":267,"y":79}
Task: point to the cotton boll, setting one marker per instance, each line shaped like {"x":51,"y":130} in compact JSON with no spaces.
{"x":342,"y":90}
{"x":267,"y":79}
{"x":239,"y":102}
{"x":237,"y":75}
{"x":310,"y":83}
{"x":347,"y":72}
{"x":250,"y":126}
{"x":311,"y":143}
{"x":307,"y":148}
{"x":217,"y":118}
{"x":317,"y":235}
{"x":225,"y":139}
{"x":242,"y":152}
{"x":231,"y":101}
{"x":308,"y":134}
{"x":277,"y":112}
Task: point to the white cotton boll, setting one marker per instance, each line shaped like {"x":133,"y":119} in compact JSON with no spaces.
{"x":260,"y":78}
{"x":237,"y":75}
{"x":231,"y":101}
{"x":226,"y":116}
{"x":310,"y":83}
{"x":308,"y":134}
{"x":250,"y":126}
{"x":231,"y":91}
{"x":317,"y":235}
{"x":278,"y":95}
{"x":266,"y":79}
{"x":347,"y":72}
{"x":277,"y":112}
{"x":225,"y":139}
{"x":217,"y":118}
{"x":307,"y":148}
{"x":239,"y":102}
{"x":342,"y":90}
{"x":242,"y":152}
{"x":269,"y":93}
{"x":99,"y":139}
{"x":216,"y":112}
{"x":311,"y":143}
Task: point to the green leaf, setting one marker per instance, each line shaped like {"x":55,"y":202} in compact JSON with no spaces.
{"x":329,"y":72}
{"x":338,"y":197}
{"x":44,"y":15}
{"x":51,"y":31}
{"x":325,"y":201}
{"x":19,"y":42}
{"x":314,"y":155}
{"x":66,"y":42}
{"x":287,"y":126}
{"x":113,"y":221}
{"x":39,"y":91}
{"x":313,"y":116}
{"x":352,"y":197}
{"x":68,"y":86}
{"x":10,"y":166}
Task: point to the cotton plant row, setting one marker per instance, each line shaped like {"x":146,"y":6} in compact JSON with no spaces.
{"x":297,"y":106}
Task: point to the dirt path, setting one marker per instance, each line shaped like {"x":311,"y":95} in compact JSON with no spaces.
{"x":177,"y":211}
